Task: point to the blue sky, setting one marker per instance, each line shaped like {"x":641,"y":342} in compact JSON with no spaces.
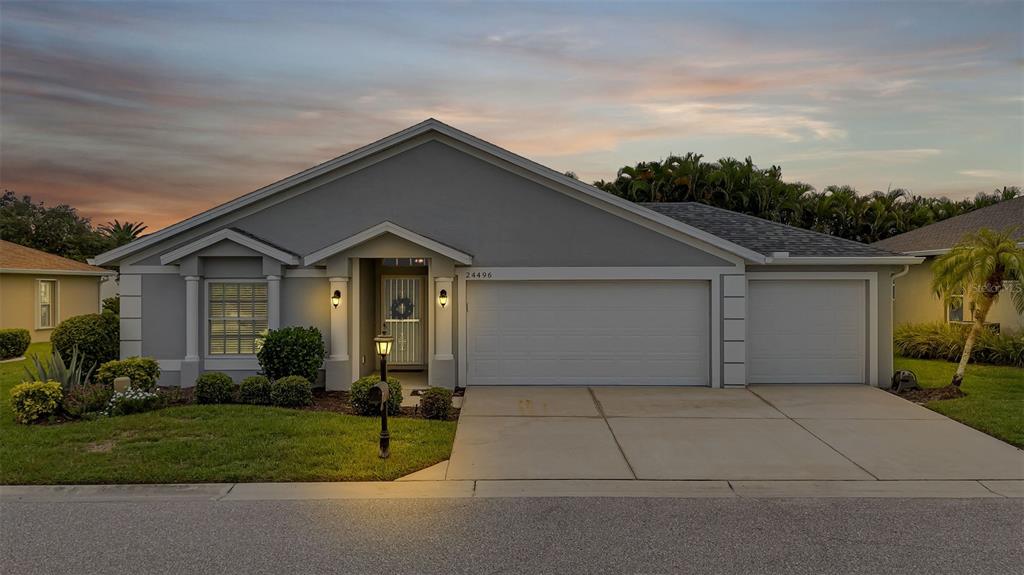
{"x":157,"y":111}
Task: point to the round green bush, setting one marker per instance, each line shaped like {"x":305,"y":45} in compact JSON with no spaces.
{"x":291,"y":391}
{"x":214,"y":387}
{"x":97,"y":336}
{"x":359,"y":395}
{"x":255,"y":390}
{"x":143,"y":371}
{"x":35,"y":400}
{"x":13,"y":342}
{"x":436,"y":403}
{"x":292,"y":351}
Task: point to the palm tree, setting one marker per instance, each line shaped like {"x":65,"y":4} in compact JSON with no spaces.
{"x":120,"y":233}
{"x":983,"y":263}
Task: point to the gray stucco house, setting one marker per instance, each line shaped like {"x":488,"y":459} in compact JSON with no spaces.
{"x":491,"y":269}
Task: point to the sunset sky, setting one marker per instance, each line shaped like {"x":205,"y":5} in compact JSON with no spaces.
{"x":154,"y":112}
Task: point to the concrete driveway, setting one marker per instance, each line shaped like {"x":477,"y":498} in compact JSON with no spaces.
{"x":777,"y":432}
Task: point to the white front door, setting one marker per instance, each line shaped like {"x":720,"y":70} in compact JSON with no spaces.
{"x":402,"y":311}
{"x":806,"y":331}
{"x":588,"y":333}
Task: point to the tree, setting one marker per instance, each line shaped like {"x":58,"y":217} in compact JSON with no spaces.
{"x":57,"y":230}
{"x":984,"y":264}
{"x":121,"y":233}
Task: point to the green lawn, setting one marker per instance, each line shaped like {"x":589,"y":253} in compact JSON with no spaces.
{"x":211,"y":443}
{"x":995,"y":396}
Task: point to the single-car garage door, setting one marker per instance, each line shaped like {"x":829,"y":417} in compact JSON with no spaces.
{"x":806,"y":331}
{"x":588,"y":333}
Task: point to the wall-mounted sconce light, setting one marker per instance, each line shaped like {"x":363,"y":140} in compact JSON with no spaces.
{"x":442,"y":298}
{"x":336,"y":298}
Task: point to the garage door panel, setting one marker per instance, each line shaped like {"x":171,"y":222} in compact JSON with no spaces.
{"x":806,"y":331}
{"x":588,"y":333}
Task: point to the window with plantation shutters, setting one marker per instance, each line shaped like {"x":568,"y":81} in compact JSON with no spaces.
{"x":237,"y":313}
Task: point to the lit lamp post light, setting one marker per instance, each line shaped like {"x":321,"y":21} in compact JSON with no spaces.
{"x":381,"y":392}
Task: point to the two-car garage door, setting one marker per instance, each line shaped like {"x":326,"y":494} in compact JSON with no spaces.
{"x":588,"y":333}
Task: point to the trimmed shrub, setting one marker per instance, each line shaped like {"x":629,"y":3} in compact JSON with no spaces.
{"x":946,"y":341}
{"x":359,"y":395}
{"x":214,"y":387}
{"x":291,"y":351}
{"x":132,"y":400}
{"x":111,"y":304}
{"x":83,"y":400}
{"x":254,"y":390}
{"x":291,"y":391}
{"x":13,"y":342}
{"x":97,"y":336}
{"x":35,"y":400}
{"x":143,"y":371}
{"x":436,"y":403}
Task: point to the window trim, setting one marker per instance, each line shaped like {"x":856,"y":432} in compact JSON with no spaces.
{"x":54,"y":305}
{"x":966,"y":314}
{"x":206,"y":314}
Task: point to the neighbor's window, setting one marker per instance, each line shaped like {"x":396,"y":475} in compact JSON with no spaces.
{"x":237,"y":314}
{"x":47,"y":303}
{"x":955,"y":307}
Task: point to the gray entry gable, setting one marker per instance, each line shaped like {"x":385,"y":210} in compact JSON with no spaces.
{"x":454,"y":198}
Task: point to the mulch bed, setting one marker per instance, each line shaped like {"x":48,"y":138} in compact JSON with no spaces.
{"x":924,"y":395}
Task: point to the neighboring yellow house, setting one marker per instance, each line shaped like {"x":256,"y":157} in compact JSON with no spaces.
{"x":39,"y":290}
{"x":916,"y":302}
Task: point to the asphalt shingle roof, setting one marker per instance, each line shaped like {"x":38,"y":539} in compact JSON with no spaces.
{"x":18,"y":257}
{"x":945,"y":234}
{"x":764,"y":236}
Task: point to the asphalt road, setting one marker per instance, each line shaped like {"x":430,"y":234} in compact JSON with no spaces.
{"x":566,"y":535}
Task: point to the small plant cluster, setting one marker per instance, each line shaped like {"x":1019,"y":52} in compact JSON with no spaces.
{"x":13,"y":342}
{"x":144,"y":372}
{"x":359,"y":395}
{"x":436,"y":403}
{"x":35,"y":400}
{"x":289,"y":391}
{"x":131,"y":400}
{"x":946,"y":341}
{"x":291,"y":351}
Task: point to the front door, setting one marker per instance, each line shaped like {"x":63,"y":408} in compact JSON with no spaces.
{"x":402,"y":311}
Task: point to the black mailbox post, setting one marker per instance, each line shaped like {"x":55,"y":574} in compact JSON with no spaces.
{"x":379,"y":395}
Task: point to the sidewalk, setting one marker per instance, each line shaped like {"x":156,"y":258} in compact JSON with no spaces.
{"x":227,"y":492}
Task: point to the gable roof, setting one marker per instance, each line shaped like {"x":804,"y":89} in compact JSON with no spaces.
{"x":387,"y":228}
{"x":767,"y":237}
{"x":16,"y":258}
{"x":939,"y":237}
{"x":232,"y":235}
{"x":601,"y":198}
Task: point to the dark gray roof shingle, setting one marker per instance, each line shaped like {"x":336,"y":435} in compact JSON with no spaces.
{"x":763,"y":236}
{"x":945,"y":234}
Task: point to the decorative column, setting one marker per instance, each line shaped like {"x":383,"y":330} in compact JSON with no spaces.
{"x":442,"y":373}
{"x":274,"y":302}
{"x":190,"y":365}
{"x":338,"y":369}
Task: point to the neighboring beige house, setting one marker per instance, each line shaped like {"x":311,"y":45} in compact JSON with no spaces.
{"x":916,"y":302}
{"x":38,"y":290}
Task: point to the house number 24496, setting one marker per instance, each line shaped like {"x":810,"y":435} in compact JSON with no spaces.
{"x":479,"y":275}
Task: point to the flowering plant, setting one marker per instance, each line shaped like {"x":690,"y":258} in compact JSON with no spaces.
{"x":131,"y":400}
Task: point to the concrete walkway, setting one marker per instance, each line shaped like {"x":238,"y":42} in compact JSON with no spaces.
{"x":765,"y":433}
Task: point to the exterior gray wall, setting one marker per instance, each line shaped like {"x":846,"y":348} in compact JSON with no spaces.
{"x":163,"y":321}
{"x":304,"y":302}
{"x":499,"y":217}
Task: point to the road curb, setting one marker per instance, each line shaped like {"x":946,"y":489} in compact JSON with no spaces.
{"x":228,"y":492}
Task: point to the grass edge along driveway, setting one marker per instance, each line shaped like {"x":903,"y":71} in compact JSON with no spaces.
{"x":995,"y":396}
{"x":211,"y":443}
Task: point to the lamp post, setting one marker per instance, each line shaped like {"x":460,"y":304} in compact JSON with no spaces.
{"x":383,"y":391}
